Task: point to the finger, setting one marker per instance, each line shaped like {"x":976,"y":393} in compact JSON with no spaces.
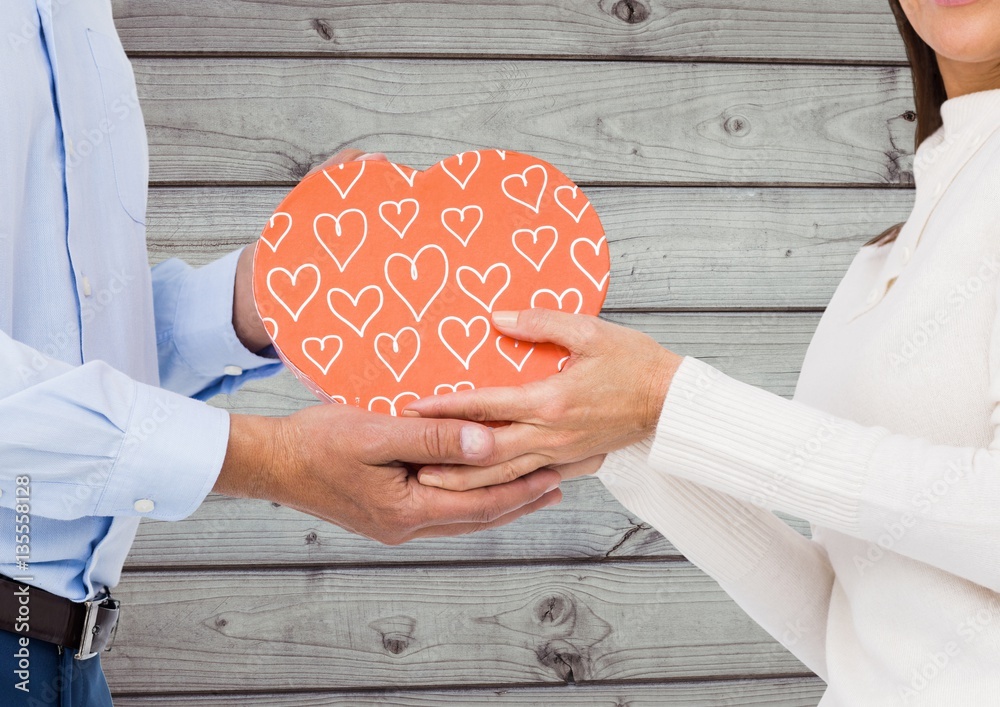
{"x":580,"y":468}
{"x":464,"y":478}
{"x":576,"y":332}
{"x":550,"y":499}
{"x":485,"y":505}
{"x":486,"y":404}
{"x":420,"y":441}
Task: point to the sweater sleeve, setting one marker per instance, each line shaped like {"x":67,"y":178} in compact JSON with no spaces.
{"x":931,"y":502}
{"x":781,"y":579}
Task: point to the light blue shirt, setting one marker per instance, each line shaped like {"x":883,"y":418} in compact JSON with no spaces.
{"x":100,"y":356}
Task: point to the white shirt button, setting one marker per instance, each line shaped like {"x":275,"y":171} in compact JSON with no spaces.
{"x":85,"y":286}
{"x":907,"y":254}
{"x":872,"y":297}
{"x":938,"y":188}
{"x":233,"y":371}
{"x":143,"y":505}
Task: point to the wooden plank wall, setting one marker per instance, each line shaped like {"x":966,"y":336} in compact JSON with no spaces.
{"x":739,"y":153}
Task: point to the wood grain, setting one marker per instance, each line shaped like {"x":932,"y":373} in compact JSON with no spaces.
{"x":767,"y":692}
{"x":337,"y":629}
{"x":589,"y":524}
{"x":267,"y":121}
{"x":807,"y":30}
{"x":672,"y":248}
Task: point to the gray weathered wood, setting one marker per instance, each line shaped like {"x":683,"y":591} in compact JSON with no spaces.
{"x":813,"y":30}
{"x":336,"y":629}
{"x":767,"y":692}
{"x":225,"y":532}
{"x":671,"y":247}
{"x":270,"y":120}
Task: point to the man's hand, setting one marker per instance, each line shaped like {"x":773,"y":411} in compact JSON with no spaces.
{"x":247,"y":323}
{"x":349,"y":467}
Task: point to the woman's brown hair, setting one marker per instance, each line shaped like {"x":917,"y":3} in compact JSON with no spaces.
{"x":928,"y":94}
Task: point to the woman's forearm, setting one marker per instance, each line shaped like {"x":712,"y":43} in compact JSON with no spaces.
{"x":780,"y":578}
{"x":931,"y":502}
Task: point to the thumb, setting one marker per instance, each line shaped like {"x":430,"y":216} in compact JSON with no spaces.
{"x":420,"y":441}
{"x":575,"y":332}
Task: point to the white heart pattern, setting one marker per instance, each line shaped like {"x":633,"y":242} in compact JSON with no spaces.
{"x":467,"y":327}
{"x":329,"y":357}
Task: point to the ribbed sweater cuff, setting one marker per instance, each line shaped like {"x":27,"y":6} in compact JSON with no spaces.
{"x":775,"y":453}
{"x":723,"y":536}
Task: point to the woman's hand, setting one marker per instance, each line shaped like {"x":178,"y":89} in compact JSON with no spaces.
{"x":608,"y":395}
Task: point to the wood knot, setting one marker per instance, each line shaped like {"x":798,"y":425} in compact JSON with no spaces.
{"x":909,"y":116}
{"x":737,"y":125}
{"x":299,"y":170}
{"x":312,"y":538}
{"x":555,"y":609}
{"x":221,"y":622}
{"x":396,"y":632}
{"x":630,"y":11}
{"x":323,"y":29}
{"x":563,"y":659}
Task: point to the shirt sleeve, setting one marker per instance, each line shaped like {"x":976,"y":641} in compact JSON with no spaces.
{"x":780,"y":578}
{"x":94,"y":442}
{"x":937,"y":503}
{"x":199,"y":352}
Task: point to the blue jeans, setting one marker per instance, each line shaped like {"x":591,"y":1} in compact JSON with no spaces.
{"x":50,"y":678}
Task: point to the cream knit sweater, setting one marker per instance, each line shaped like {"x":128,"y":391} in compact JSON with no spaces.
{"x":889,"y":448}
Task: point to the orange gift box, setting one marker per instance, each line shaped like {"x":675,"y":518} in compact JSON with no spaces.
{"x":376,"y":281}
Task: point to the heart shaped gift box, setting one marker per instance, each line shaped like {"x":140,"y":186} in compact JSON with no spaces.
{"x":376,"y":281}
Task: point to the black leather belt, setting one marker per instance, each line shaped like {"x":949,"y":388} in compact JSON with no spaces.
{"x":86,"y":628}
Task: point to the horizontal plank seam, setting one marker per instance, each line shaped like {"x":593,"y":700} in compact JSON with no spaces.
{"x":444,"y":56}
{"x":277,"y":568}
{"x":199,"y":184}
{"x":459,"y":689}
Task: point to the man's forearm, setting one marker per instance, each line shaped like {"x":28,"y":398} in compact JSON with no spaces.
{"x":252,"y":460}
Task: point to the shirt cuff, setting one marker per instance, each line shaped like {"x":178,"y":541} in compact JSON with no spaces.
{"x":203,"y":323}
{"x":170,"y":458}
{"x":757,"y":446}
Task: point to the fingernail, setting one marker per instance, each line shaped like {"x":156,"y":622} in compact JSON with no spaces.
{"x":429,"y":479}
{"x":554,"y":486}
{"x":554,"y":501}
{"x":410,"y":413}
{"x":473,"y":439}
{"x":371,"y":156}
{"x":505,"y":319}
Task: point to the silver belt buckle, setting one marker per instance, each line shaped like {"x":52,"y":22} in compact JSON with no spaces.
{"x":97,"y":637}
{"x":87,"y":636}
